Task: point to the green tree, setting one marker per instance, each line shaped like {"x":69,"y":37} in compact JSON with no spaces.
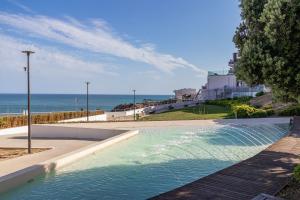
{"x":268,"y":40}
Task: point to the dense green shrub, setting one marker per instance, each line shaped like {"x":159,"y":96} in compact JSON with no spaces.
{"x":259,"y":94}
{"x":259,"y":113}
{"x":297,"y":173}
{"x":229,"y":102}
{"x":244,"y":99}
{"x":270,"y":112}
{"x":290,"y":111}
{"x":243,"y":111}
{"x":170,"y":107}
{"x":240,"y":107}
{"x":267,"y":107}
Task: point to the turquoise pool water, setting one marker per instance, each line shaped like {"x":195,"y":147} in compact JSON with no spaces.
{"x":155,"y":161}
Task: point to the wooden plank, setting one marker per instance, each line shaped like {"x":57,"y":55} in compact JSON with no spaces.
{"x":266,"y":197}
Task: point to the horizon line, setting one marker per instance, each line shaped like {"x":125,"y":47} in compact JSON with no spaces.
{"x":85,"y":94}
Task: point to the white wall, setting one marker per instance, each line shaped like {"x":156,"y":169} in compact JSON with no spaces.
{"x":219,"y":81}
{"x":156,"y":109}
{"x":101,"y":117}
{"x":124,"y":113}
{"x":15,"y":130}
{"x":165,"y":107}
{"x":44,"y":131}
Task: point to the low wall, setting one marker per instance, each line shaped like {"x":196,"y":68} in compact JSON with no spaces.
{"x":44,"y":131}
{"x":12,"y":131}
{"x":165,"y":107}
{"x":124,"y":113}
{"x":101,"y":117}
{"x":149,"y":109}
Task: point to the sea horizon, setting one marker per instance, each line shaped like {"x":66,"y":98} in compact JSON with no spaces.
{"x":25,"y":93}
{"x":13,"y":103}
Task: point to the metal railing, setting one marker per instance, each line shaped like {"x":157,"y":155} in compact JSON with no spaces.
{"x":223,"y":93}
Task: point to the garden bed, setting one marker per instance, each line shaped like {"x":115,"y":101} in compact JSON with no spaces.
{"x":8,"y":153}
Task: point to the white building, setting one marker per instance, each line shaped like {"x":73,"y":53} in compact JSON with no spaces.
{"x":226,"y":85}
{"x":216,"y":81}
{"x":185,"y":94}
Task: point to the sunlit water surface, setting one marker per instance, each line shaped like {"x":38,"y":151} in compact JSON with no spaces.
{"x":155,"y":161}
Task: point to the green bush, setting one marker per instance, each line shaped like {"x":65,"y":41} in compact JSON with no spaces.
{"x":268,"y":106}
{"x":243,"y":111}
{"x":290,"y":111}
{"x":259,"y":94}
{"x":270,"y":112}
{"x":170,"y":107}
{"x":259,"y":113}
{"x":297,"y":173}
{"x":229,"y":102}
{"x":241,"y":107}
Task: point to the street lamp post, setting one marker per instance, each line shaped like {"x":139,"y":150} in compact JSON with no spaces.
{"x":28,"y":99}
{"x":134,"y":105}
{"x":87,"y":100}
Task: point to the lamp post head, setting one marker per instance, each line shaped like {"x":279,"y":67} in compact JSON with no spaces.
{"x":28,"y":52}
{"x":87,"y":82}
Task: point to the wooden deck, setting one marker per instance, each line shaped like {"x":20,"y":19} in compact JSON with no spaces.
{"x":267,"y":172}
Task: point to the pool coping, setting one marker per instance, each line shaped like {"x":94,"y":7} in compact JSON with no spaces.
{"x":238,"y":181}
{"x":24,"y":175}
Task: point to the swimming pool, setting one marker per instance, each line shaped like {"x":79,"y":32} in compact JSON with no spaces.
{"x":155,"y":161}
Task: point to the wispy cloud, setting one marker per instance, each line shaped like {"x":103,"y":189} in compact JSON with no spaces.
{"x":46,"y":59}
{"x":20,"y":5}
{"x":94,"y":36}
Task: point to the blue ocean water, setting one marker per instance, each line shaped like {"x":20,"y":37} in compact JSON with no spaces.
{"x":16,"y":103}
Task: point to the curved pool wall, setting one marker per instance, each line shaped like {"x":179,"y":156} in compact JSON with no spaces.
{"x":155,"y":161}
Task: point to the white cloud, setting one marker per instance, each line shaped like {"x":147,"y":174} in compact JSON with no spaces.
{"x":45,"y":59}
{"x":22,"y":6}
{"x":95,"y":36}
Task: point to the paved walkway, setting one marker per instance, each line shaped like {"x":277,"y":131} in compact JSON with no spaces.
{"x":266,"y":172}
{"x":59,"y":147}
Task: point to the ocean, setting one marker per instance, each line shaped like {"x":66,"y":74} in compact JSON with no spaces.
{"x":16,"y":103}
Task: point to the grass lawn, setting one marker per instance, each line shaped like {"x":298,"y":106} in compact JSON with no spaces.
{"x":191,"y":113}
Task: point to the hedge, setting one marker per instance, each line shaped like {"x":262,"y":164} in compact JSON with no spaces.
{"x":246,"y":111}
{"x":243,"y":111}
{"x":290,"y":111}
{"x":297,"y":173}
{"x":14,"y":121}
{"x":259,"y":113}
{"x":229,"y":102}
{"x":259,"y":94}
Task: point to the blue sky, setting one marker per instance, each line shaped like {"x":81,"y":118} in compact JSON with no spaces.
{"x":151,"y":46}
